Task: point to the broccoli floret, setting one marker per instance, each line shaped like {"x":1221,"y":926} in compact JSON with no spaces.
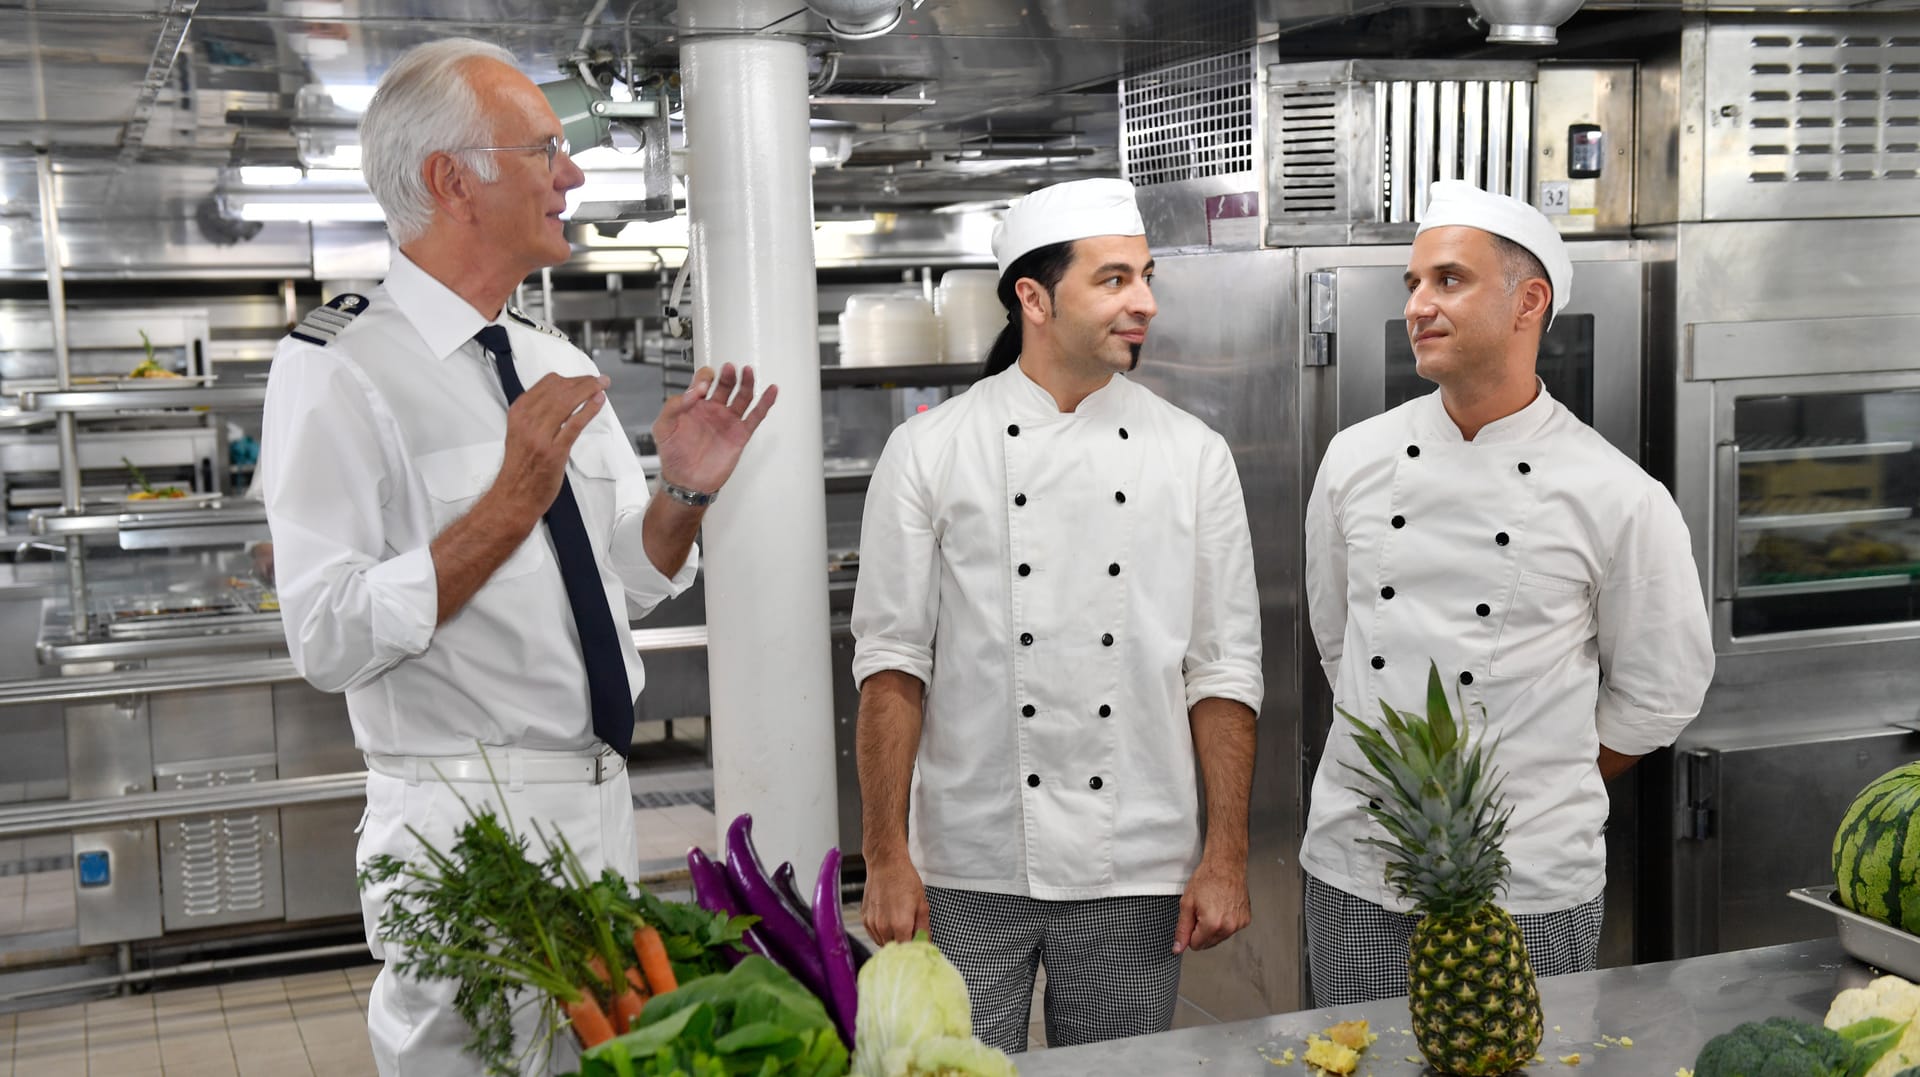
{"x":1777,"y":1047}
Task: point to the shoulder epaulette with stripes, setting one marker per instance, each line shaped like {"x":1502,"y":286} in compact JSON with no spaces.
{"x":323,"y":323}
{"x":514,"y":313}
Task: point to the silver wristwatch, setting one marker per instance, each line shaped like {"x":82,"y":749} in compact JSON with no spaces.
{"x":687,"y":497}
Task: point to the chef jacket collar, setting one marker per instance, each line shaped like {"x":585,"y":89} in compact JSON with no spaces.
{"x":1032,"y":401}
{"x":443,"y":319}
{"x":1434,"y":422}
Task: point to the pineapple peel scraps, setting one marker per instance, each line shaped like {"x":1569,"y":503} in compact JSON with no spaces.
{"x":1352,"y":1034}
{"x":1331,"y":1057}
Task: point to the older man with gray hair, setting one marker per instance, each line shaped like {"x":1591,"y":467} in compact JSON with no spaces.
{"x":458,"y":519}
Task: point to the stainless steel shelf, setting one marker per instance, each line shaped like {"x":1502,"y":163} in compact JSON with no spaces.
{"x":1821,"y":587}
{"x":146,"y":682}
{"x":1803,"y":512}
{"x":212,"y":514}
{"x":83,"y":401}
{"x":66,"y":816}
{"x":1819,"y":449}
{"x":917,"y":376}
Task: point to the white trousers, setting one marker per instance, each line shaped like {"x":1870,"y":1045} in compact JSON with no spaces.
{"x":412,"y":1024}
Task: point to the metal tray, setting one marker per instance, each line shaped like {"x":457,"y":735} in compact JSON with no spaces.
{"x":1883,"y":946}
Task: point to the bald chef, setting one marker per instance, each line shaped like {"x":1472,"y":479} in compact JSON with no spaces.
{"x":1486,"y":529}
{"x":1056,"y":617}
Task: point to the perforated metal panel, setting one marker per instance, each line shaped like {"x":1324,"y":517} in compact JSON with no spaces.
{"x":1813,"y":121}
{"x":1189,"y":121}
{"x":220,"y":869}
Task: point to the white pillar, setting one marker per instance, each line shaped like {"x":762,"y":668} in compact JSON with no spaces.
{"x":749,"y":194}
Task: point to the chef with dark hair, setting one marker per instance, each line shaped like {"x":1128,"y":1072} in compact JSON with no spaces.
{"x":1058,"y":645}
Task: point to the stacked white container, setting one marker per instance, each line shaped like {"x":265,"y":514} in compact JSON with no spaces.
{"x":970,"y":313}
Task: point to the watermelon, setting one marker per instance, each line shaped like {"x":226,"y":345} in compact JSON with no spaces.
{"x":1876,"y":851}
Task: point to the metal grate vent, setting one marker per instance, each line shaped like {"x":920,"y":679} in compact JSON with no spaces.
{"x":1188,"y":121}
{"x":1308,"y":144}
{"x":1353,"y":146}
{"x":655,"y":799}
{"x":220,"y":868}
{"x":1825,"y":107}
{"x":220,"y":856}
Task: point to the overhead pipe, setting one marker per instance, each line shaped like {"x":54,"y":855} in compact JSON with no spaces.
{"x":857,"y":20}
{"x":1525,"y":22}
{"x":750,"y":204}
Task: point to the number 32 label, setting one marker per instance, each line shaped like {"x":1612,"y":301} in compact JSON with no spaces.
{"x":1553,"y":198}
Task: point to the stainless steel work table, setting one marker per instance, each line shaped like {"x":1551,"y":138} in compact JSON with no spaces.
{"x":1667,"y":1010}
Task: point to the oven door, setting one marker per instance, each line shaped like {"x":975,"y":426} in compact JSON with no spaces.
{"x":1816,"y":538}
{"x":1589,"y":360}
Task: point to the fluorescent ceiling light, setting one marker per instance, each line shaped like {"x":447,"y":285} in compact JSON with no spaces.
{"x":351,"y":98}
{"x":269,"y":175}
{"x":315,"y":212}
{"x":302,"y":204}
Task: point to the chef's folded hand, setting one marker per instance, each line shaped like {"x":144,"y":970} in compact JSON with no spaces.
{"x":1214,"y":908}
{"x":701,"y":432}
{"x":895,"y":906}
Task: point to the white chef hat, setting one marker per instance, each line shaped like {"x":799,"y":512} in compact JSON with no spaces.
{"x":1459,"y":202}
{"x":1078,"y":209}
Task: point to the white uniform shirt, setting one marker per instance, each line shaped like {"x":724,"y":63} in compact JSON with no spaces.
{"x":1551,"y":580}
{"x":1094,"y":566}
{"x":373,"y":444}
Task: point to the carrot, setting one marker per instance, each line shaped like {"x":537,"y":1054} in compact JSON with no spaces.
{"x":598,"y":966}
{"x":626,"y":1009}
{"x":639,"y":985}
{"x":590,"y":1022}
{"x":653,"y":960}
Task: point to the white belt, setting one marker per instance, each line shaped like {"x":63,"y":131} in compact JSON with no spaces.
{"x":510,"y":767}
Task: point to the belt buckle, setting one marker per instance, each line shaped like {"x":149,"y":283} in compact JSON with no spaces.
{"x":600,"y":767}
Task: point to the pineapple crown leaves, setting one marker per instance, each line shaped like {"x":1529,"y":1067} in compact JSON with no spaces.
{"x":1439,"y":802}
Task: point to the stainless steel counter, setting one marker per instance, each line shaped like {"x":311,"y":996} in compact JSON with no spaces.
{"x":1667,"y":1010}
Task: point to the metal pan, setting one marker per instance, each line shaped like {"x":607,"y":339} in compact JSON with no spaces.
{"x":1883,"y":946}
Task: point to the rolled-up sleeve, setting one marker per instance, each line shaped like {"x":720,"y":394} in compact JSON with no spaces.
{"x":645,"y":585}
{"x":1656,"y":645}
{"x":352,"y":605}
{"x":1223,"y":652}
{"x":896,"y":602}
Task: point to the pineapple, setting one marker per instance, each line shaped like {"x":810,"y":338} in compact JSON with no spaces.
{"x":1476,"y":1011}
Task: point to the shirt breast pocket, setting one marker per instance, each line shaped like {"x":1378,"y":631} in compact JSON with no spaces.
{"x":1547,"y":618}
{"x":455,"y":479}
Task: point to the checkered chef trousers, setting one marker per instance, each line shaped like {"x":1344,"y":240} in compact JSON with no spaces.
{"x":1111,"y":969}
{"x":1357,"y":951}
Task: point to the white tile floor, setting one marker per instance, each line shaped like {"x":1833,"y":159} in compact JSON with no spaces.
{"x":312,"y":1024}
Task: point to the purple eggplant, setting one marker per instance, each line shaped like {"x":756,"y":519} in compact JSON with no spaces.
{"x":836,"y":956}
{"x":712,"y":892}
{"x":791,"y":940}
{"x":783,"y":882}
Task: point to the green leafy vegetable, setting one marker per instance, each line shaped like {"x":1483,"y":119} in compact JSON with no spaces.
{"x":489,"y":916}
{"x":756,"y":1020}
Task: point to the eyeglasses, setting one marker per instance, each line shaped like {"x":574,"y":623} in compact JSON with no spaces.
{"x":552,"y":147}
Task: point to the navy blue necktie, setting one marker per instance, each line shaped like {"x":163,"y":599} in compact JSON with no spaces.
{"x":600,"y":644}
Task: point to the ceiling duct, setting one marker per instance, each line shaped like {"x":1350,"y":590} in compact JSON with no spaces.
{"x":858,"y":20}
{"x":1525,"y":22}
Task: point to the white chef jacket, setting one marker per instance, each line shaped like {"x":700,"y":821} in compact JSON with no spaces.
{"x":373,"y":443}
{"x":1093,"y":566}
{"x":1553,"y":583}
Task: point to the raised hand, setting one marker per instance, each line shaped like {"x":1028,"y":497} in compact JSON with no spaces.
{"x":702,"y":432}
